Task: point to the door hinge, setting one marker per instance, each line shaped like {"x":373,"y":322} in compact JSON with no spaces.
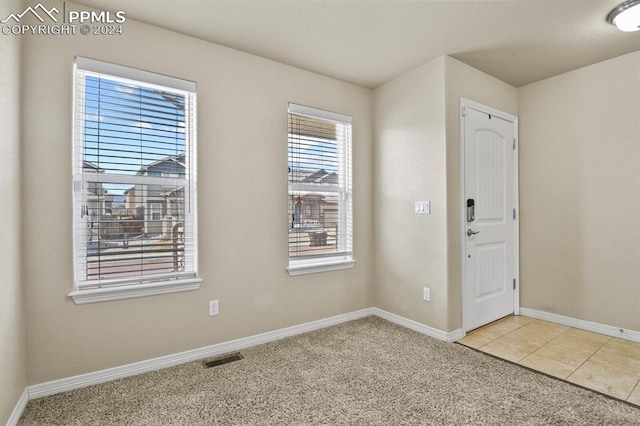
{"x":464,"y":111}
{"x":514,"y":214}
{"x":514,"y":283}
{"x":515,"y":144}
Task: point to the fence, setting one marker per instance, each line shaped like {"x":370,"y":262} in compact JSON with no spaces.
{"x":118,"y":227}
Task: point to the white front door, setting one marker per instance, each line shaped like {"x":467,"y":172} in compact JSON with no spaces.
{"x":490,"y":185}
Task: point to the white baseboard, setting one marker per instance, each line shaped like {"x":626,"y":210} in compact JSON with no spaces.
{"x":83,"y":380}
{"x":102,"y":376}
{"x":607,"y":330}
{"x":419,"y":327}
{"x":18,"y":409}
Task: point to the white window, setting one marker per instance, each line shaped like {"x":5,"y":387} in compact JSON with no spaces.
{"x":320,"y":201}
{"x":134,"y":215}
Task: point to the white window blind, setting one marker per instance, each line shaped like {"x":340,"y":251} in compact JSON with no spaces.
{"x":320,"y":200}
{"x":134,"y":177}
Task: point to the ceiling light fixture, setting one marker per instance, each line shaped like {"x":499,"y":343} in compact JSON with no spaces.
{"x":626,"y":16}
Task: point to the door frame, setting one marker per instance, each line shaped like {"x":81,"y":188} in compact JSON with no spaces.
{"x":467,"y":103}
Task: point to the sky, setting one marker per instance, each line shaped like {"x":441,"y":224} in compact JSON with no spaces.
{"x":128,"y":126}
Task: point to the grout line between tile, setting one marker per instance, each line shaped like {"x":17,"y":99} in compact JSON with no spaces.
{"x":496,"y":322}
{"x":554,"y":377}
{"x":637,"y":386}
{"x":518,"y":362}
{"x":591,"y":356}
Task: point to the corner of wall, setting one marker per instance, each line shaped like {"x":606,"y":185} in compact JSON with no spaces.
{"x":462,"y":80}
{"x":409,"y":159}
{"x":579,"y":160}
{"x":12,"y":302}
{"x":233,"y":88}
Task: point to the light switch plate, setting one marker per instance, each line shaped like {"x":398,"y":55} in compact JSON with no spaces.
{"x":422,"y":207}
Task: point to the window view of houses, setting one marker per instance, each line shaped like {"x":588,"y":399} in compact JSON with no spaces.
{"x":315,"y":190}
{"x":130,"y":223}
{"x":314,"y":216}
{"x":132,"y":213}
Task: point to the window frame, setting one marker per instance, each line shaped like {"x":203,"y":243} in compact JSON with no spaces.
{"x":90,"y":291}
{"x":344,"y":259}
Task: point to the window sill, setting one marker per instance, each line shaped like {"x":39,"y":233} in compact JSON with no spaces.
{"x":316,"y":267}
{"x":106,"y":294}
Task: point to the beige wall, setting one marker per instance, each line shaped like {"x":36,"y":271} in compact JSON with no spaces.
{"x":411,"y":250}
{"x":573,"y":260}
{"x":417,"y":158}
{"x":464,"y":81}
{"x":242,"y":178}
{"x":579,"y":198}
{"x":12,"y":321}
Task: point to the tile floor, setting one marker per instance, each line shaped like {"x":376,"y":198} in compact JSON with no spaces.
{"x":602,"y":363}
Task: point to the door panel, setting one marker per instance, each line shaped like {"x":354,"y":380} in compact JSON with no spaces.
{"x":490,"y":270}
{"x":489,"y":239}
{"x":490,"y":185}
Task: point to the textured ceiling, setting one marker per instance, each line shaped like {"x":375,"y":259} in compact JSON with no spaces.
{"x":368,"y":42}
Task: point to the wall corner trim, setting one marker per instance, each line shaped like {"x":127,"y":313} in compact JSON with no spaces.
{"x":451,"y":336}
{"x":607,"y":330}
{"x":18,"y":409}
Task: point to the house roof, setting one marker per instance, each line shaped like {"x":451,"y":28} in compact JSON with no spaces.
{"x":177,"y":159}
{"x":321,"y":176}
{"x":91,"y":166}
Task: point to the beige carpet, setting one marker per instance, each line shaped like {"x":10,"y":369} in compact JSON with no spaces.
{"x":366,"y":372}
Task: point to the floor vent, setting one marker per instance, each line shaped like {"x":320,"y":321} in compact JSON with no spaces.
{"x":220,"y":361}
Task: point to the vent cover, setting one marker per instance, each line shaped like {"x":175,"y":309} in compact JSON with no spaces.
{"x":220,"y":361}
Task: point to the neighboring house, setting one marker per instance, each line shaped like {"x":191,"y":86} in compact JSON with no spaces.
{"x":143,"y":209}
{"x":105,"y":223}
{"x":161,"y":206}
{"x":313,"y":208}
{"x":98,"y":200}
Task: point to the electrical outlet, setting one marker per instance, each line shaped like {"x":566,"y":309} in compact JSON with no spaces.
{"x":426,"y":294}
{"x":213,"y":307}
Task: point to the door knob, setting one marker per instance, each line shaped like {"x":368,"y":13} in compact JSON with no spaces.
{"x":471,"y":232}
